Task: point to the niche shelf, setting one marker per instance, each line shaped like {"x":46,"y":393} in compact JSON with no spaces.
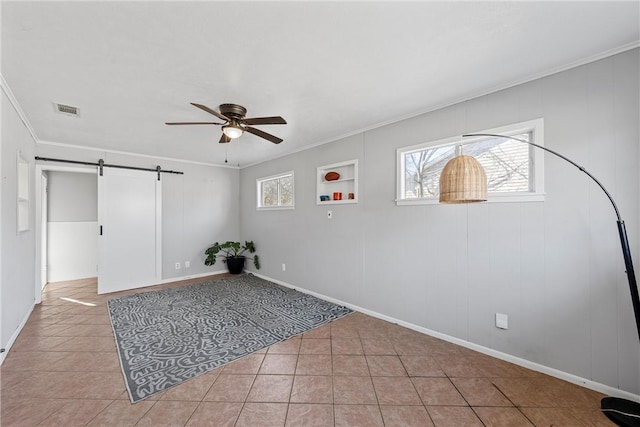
{"x":347,"y":184}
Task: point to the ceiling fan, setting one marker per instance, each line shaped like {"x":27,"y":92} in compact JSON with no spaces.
{"x":235,"y":123}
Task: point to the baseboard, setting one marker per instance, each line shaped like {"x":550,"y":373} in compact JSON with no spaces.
{"x":574,"y":379}
{"x":168,"y":280}
{"x":192,"y":276}
{"x":13,"y":337}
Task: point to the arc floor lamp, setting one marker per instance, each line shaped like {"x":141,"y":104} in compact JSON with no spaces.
{"x":463,"y":180}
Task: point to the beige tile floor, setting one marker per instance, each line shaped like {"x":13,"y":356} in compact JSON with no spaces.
{"x":63,"y":370}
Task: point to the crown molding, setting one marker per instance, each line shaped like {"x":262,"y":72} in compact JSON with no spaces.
{"x":14,"y":103}
{"x":129,"y":153}
{"x":449,"y":103}
{"x":578,"y":63}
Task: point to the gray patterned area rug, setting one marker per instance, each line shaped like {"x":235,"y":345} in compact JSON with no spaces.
{"x":169,"y":336}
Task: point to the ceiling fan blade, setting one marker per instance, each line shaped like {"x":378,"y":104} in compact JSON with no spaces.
{"x":224,"y":139}
{"x":264,"y":135}
{"x":275,"y":120}
{"x":210,"y":111}
{"x":193,"y":123}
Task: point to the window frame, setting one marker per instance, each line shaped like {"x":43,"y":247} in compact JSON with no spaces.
{"x":536,"y":174}
{"x":260,"y":181}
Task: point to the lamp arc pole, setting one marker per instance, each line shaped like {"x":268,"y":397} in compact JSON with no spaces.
{"x":621,"y":411}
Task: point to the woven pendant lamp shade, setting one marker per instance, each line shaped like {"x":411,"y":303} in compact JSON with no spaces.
{"x":463,"y":181}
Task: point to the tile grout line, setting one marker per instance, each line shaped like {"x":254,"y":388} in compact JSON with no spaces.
{"x":484,"y":372}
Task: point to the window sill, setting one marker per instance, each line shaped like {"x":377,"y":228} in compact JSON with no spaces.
{"x":275,"y":208}
{"x":493,"y":198}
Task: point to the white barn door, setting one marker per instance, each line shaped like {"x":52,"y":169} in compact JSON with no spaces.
{"x":129,"y":215}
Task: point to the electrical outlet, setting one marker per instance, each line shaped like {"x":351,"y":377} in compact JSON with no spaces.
{"x":187,"y":264}
{"x":284,"y":267}
{"x":177,"y":266}
{"x":502,"y":321}
{"x":329,"y":214}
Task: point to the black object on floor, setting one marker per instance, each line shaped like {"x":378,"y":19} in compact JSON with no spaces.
{"x":624,"y":413}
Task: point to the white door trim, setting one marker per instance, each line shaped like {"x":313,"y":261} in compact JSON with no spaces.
{"x":44,"y":252}
{"x":40,"y":169}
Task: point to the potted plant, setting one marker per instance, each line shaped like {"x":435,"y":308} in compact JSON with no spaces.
{"x":234,"y":254}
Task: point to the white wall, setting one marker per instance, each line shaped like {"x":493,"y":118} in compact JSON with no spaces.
{"x":17,"y":287}
{"x":198,"y":207}
{"x":555,"y":267}
{"x":73,"y":197}
{"x":72,"y":226}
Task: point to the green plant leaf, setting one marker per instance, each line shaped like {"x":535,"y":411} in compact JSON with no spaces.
{"x":230,"y":249}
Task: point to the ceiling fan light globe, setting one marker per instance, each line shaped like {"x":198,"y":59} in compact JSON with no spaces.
{"x":232,"y":131}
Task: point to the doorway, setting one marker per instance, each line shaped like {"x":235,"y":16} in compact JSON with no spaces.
{"x":72,"y":225}
{"x":43,"y":230}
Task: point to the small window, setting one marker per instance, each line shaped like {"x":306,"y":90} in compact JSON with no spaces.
{"x":514,"y":169}
{"x":275,"y":192}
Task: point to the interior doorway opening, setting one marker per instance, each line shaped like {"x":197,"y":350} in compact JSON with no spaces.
{"x":46,"y":233}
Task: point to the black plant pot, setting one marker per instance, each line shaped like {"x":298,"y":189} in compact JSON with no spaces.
{"x":235,"y":265}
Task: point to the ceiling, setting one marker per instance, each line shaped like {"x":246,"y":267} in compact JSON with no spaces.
{"x":331,"y":69}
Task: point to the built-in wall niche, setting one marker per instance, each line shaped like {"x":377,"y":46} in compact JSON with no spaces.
{"x":337,"y":183}
{"x":23,"y":193}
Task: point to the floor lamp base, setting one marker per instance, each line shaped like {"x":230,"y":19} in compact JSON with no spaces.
{"x":623,"y":412}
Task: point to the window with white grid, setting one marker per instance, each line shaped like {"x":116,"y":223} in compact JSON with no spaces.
{"x":514,"y":169}
{"x":275,"y":192}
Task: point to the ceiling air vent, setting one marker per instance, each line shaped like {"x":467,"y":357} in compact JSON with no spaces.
{"x":69,"y":110}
